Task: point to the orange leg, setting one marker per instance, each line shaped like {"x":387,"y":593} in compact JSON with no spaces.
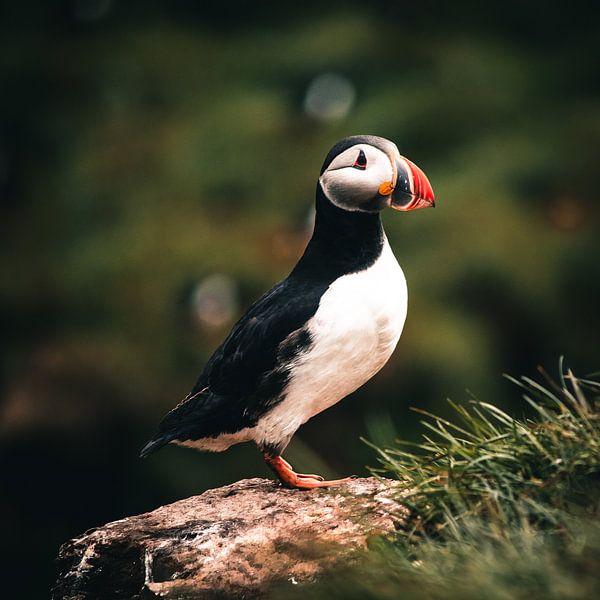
{"x":289,"y":478}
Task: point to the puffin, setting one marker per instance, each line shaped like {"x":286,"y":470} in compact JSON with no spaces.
{"x":320,"y":333}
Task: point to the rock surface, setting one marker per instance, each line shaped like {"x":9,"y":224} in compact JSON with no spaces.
{"x":234,"y":541}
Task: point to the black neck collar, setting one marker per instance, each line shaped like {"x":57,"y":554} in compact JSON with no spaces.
{"x":342,"y":242}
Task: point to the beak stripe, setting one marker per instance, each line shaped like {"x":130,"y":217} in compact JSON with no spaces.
{"x":412,"y":189}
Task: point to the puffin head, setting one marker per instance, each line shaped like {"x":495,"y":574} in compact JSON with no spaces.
{"x":366,"y":173}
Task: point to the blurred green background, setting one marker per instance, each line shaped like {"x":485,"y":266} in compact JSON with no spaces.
{"x":157,"y":172}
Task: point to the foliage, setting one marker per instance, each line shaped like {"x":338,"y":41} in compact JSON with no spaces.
{"x":504,"y":469}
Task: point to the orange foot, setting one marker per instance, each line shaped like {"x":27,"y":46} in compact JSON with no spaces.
{"x":288,"y":477}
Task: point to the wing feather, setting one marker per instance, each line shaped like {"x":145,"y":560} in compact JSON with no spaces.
{"x":248,"y":371}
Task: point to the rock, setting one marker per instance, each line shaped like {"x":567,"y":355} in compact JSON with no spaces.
{"x":238,"y":540}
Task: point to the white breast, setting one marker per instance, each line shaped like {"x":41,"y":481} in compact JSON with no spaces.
{"x":354,"y":332}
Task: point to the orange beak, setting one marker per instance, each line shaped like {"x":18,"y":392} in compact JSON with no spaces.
{"x":412,"y":189}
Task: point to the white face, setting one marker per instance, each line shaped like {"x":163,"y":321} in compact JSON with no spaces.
{"x":353,"y":179}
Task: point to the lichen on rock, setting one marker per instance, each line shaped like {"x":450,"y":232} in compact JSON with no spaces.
{"x":238,"y":539}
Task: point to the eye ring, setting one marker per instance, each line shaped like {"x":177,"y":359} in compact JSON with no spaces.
{"x":360,"y":162}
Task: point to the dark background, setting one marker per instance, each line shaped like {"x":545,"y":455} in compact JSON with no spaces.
{"x":157,"y":170}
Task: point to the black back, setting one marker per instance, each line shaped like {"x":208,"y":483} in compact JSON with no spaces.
{"x":248,"y":372}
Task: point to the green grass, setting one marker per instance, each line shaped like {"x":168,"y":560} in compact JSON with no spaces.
{"x":490,"y":465}
{"x":502,"y":507}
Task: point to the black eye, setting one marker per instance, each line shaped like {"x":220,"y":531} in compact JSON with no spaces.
{"x":361,"y":161}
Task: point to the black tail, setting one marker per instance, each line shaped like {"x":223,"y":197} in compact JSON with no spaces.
{"x":154,"y":444}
